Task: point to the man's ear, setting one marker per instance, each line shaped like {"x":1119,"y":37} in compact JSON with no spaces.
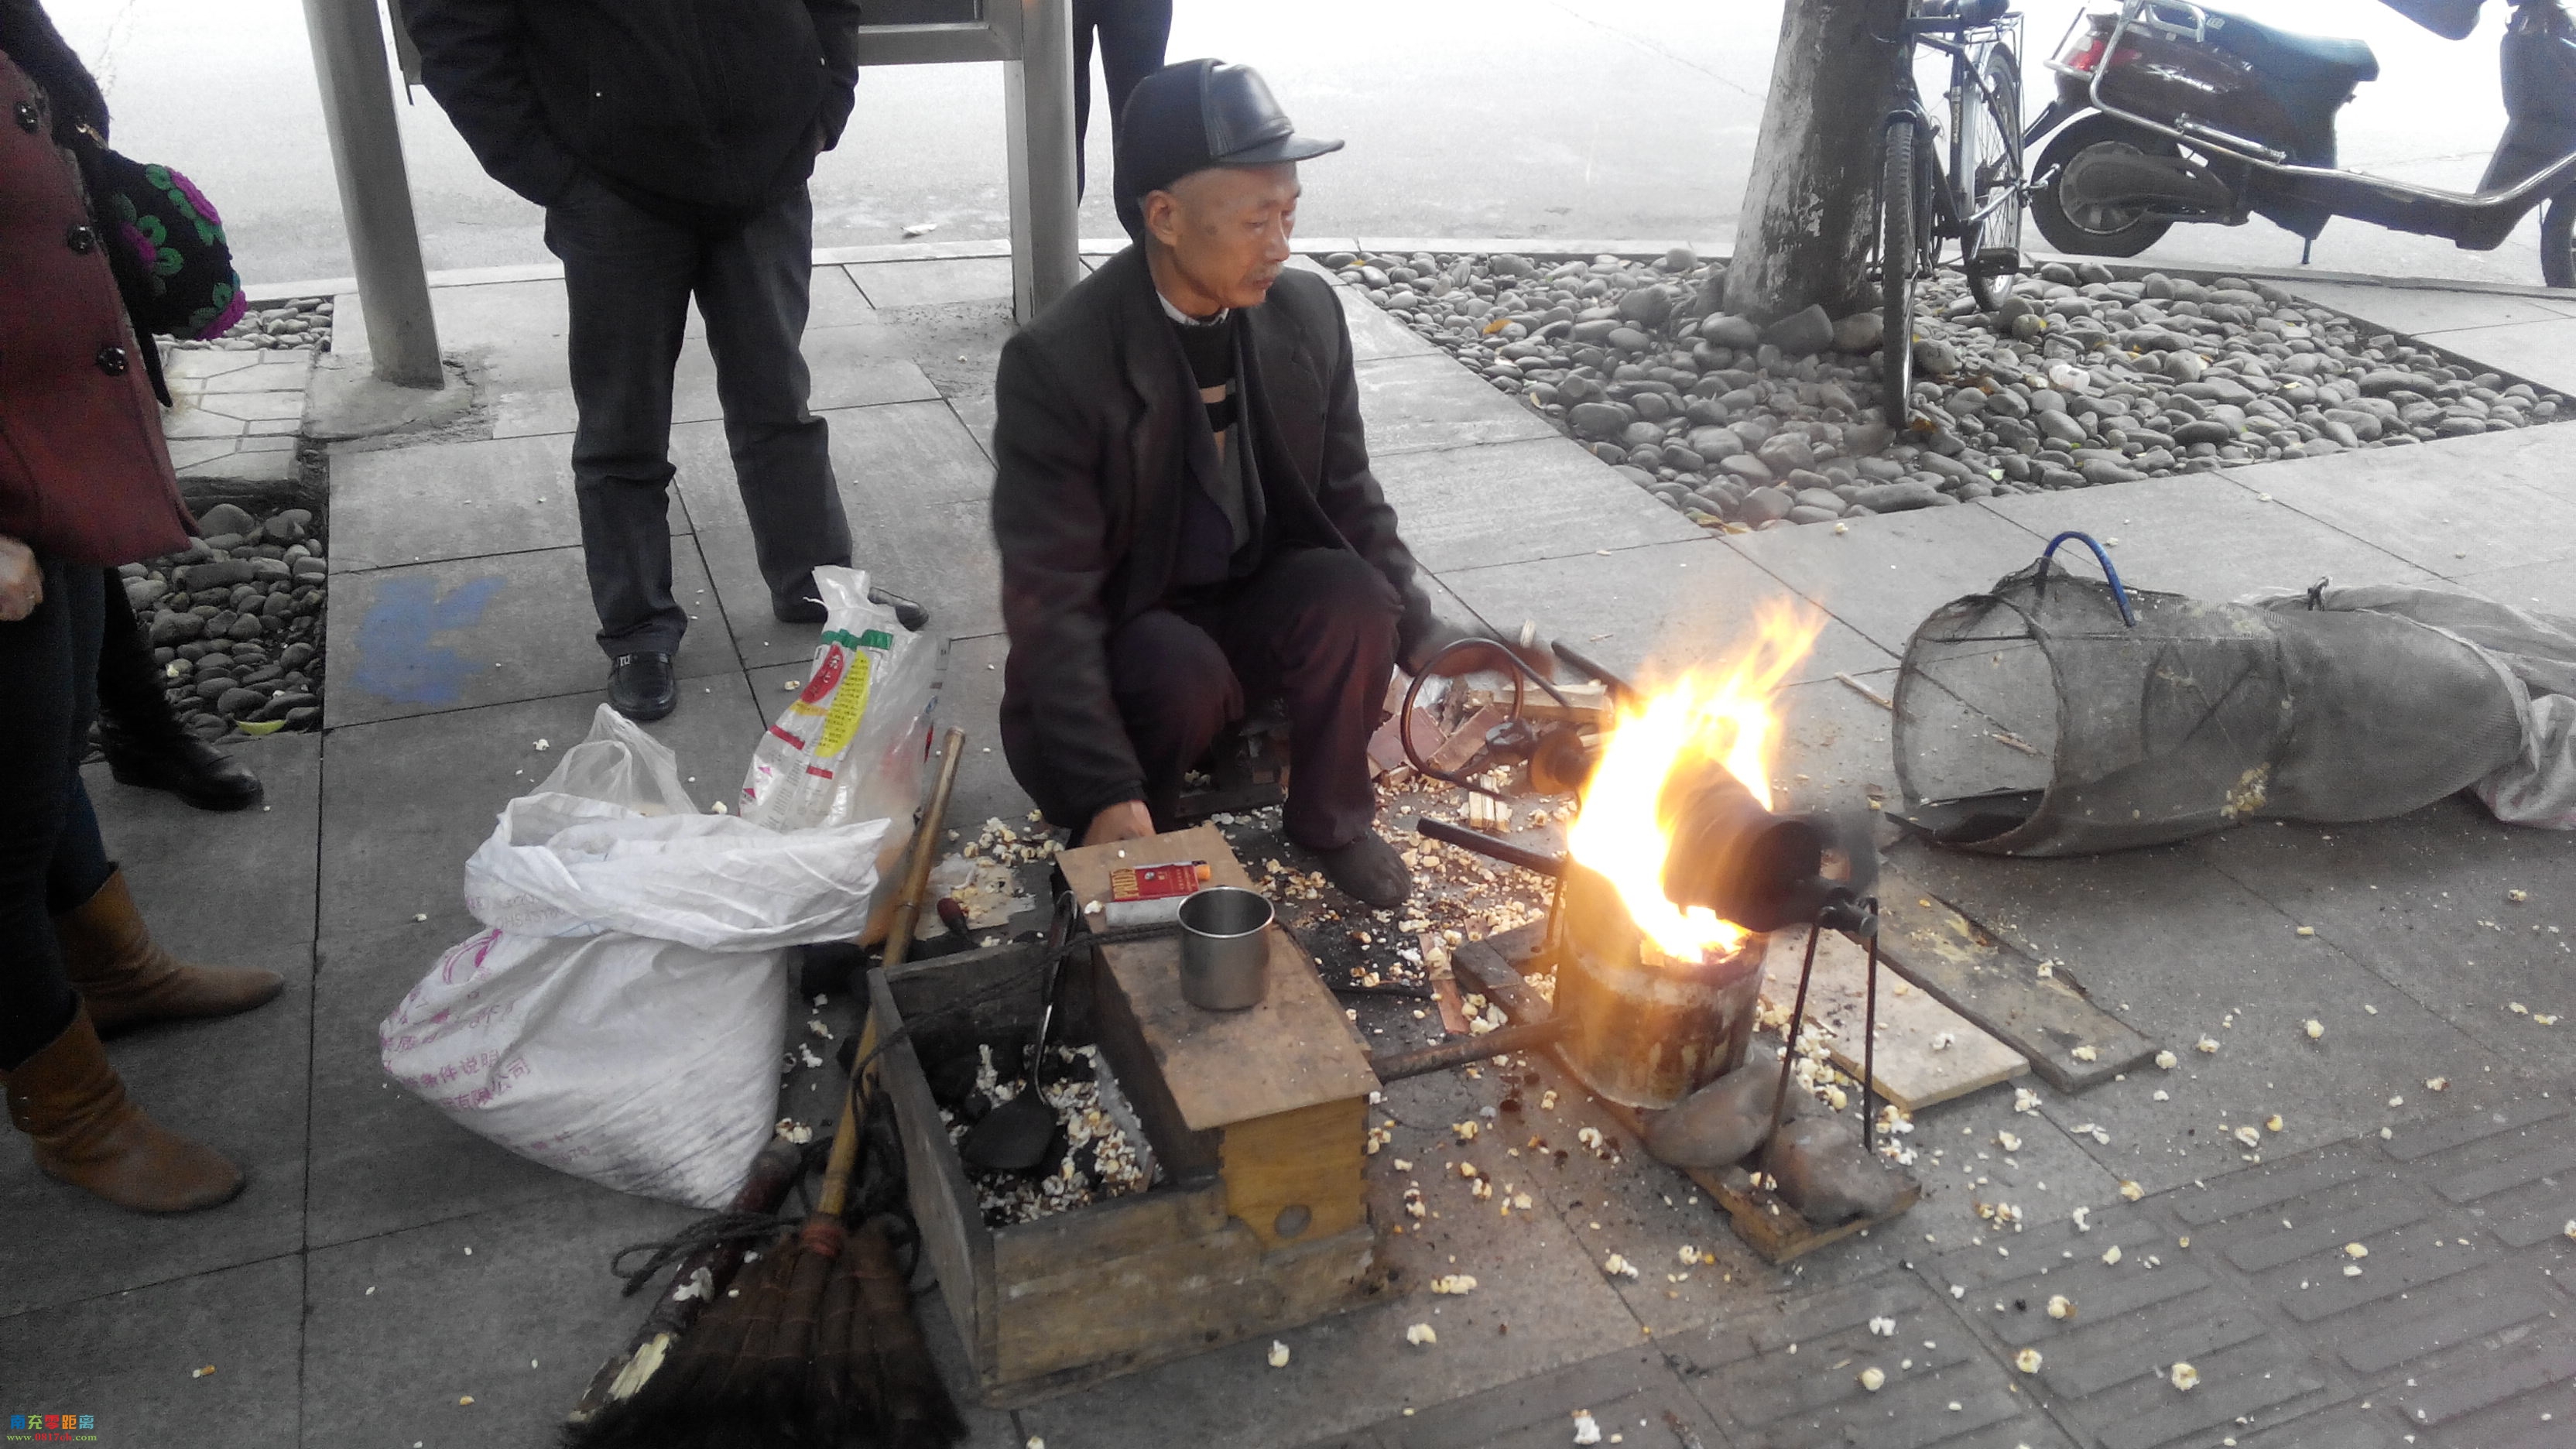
{"x":1163,"y":217}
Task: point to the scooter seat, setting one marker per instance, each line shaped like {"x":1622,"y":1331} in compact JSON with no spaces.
{"x":2299,"y":60}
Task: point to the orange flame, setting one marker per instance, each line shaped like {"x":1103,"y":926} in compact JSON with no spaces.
{"x":1725,"y":715}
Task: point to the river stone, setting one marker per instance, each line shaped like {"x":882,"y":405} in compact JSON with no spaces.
{"x":172,"y":629}
{"x":1935,"y":358}
{"x":1898,"y":497}
{"x":1598,"y":420}
{"x":1786,"y":452}
{"x":226,"y":518}
{"x":1747,"y":467}
{"x":2061,"y":427}
{"x":1648,"y":307}
{"x":1629,"y":339}
{"x":1861,"y":332}
{"x":2205,"y":430}
{"x":2102,"y":470}
{"x":140,"y":594}
{"x":1806,"y":513}
{"x":1765,"y":504}
{"x":234,"y":703}
{"x":1727,"y":330}
{"x":1639,"y":434}
{"x":220,"y":574}
{"x":245,"y":626}
{"x":1802,"y":333}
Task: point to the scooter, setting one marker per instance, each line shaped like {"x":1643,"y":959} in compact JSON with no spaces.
{"x":2167,"y":112}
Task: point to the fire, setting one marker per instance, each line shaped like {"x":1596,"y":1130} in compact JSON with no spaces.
{"x":1724,"y":715}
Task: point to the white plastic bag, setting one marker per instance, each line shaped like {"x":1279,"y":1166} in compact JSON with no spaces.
{"x":623,"y":1016}
{"x":855,"y":744}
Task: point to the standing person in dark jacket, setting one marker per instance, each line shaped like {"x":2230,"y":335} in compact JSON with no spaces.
{"x":1184,"y":505}
{"x":669,"y":142}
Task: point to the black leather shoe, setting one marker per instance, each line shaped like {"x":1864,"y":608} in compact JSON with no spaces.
{"x":910,"y":615}
{"x":641,"y":687}
{"x":907,"y":613}
{"x":180,"y":763}
{"x":1369,"y":871}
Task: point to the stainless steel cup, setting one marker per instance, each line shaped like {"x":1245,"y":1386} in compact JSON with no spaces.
{"x":1225,"y":948}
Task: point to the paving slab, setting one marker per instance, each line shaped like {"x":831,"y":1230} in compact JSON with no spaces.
{"x":2205,"y":536}
{"x":1414,"y":403}
{"x":394,"y":506}
{"x":2421,"y":902}
{"x":2548,"y":588}
{"x":517,"y":1325}
{"x":1633,"y":1393}
{"x":2422,"y":311}
{"x":927,"y":283}
{"x":1462,"y":508}
{"x":406,"y":800}
{"x":130,"y":1359}
{"x":2542,"y":353}
{"x":1887,"y":574}
{"x":457,"y":634}
{"x":1833,"y":751}
{"x":1679,"y":605}
{"x":2498,"y":504}
{"x":240,"y":878}
{"x":2230,"y":967}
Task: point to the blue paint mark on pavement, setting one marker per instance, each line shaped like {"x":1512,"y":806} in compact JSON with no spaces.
{"x":396,"y":660}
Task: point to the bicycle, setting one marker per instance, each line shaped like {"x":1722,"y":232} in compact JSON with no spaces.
{"x":1976,"y":199}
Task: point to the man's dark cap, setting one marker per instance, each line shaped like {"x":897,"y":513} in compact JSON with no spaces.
{"x":1194,"y":115}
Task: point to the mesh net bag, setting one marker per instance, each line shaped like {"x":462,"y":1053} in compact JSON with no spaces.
{"x":2059,"y":715}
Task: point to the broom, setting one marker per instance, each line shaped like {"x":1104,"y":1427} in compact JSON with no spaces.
{"x":818,"y":1345}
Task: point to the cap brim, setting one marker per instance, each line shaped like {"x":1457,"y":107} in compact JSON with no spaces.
{"x":1291,"y":147}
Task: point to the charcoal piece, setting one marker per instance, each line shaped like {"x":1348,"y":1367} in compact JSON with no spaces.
{"x":952,"y":1080}
{"x":1825,"y":1176}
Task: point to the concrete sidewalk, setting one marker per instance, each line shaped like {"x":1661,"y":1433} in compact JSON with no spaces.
{"x":384,"y":1265}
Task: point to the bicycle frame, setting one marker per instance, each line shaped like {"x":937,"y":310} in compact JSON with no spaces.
{"x":1966,"y":46}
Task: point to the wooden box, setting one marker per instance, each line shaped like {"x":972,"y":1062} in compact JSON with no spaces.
{"x":1259,"y":1222}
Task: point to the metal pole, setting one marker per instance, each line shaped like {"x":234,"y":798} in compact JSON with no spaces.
{"x":375,"y":192}
{"x":1045,"y":252}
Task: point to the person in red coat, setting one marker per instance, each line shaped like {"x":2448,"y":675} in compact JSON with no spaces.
{"x":85,"y":483}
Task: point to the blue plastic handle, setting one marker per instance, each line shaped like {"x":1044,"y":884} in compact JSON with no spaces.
{"x":2119,"y":591}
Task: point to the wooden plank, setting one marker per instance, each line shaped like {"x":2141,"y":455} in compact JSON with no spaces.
{"x":1998,"y":986}
{"x":1293,"y":1050}
{"x":1914,"y":1067}
{"x":1310,"y":1158}
{"x":943,"y":1201}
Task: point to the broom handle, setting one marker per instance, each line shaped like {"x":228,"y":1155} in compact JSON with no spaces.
{"x":907,"y":912}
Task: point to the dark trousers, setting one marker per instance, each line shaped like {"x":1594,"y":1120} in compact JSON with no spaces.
{"x":1132,"y":34}
{"x":1313,"y":627}
{"x":51,"y":860}
{"x":629,"y":275}
{"x":129,"y":683}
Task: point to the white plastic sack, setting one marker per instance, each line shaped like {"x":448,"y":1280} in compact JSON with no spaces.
{"x":623,"y":1016}
{"x":855,"y":744}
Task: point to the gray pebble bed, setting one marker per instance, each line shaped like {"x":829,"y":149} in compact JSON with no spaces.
{"x":2079,"y":378}
{"x":235,"y":622}
{"x":298,"y":322}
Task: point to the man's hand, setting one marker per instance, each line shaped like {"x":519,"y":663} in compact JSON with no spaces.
{"x":1481,"y":655}
{"x":1127,"y":820}
{"x":22,"y":580}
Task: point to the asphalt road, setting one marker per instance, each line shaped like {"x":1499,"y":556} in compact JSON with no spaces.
{"x":1535,"y":118}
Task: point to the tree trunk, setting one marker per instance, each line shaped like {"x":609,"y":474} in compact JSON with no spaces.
{"x":1805,"y":232}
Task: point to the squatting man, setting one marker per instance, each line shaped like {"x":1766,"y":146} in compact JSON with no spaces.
{"x":1183,"y":500}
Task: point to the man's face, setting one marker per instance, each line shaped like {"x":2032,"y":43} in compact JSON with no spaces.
{"x":1226,"y":229}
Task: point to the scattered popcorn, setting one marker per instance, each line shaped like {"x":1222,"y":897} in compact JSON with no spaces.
{"x":1690,"y":1255}
{"x":2436,"y":1084}
{"x":2083,"y":1054}
{"x":2272,"y":1123}
{"x":794,"y":1131}
{"x":198,"y":1373}
{"x":2008,"y":1142}
{"x":1886,"y":1327}
{"x":2517,"y":1008}
{"x":1454,"y":1283}
{"x":1618,"y":1267}
{"x":1943,"y":1041}
{"x":420,"y":916}
{"x":1278,"y":1354}
{"x":816,"y":1026}
{"x":2111,"y":1254}
{"x":1466,"y":1131}
{"x":2163,"y":1096}
{"x":2316,"y":1029}
{"x":2307,"y":930}
{"x":544,"y":745}
{"x":2571,"y":1230}
{"x":2517,"y":897}
{"x":1586,"y":1429}
{"x":1589,"y":1137}
{"x":2184,"y":1377}
{"x":2060,"y":1308}
{"x":1547,"y":1100}
{"x":2167,"y":1060}
{"x":1873,"y":1378}
{"x":2206,"y":1045}
{"x":2131,"y":1190}
{"x":1420,"y":1334}
{"x":2027,"y":1360}
{"x":465,"y":1398}
{"x":2250,"y":1136}
{"x":2025,"y":1100}
{"x":2355,"y":1250}
{"x":1402,"y":1165}
{"x":2352,"y":1270}
{"x":2081,"y":1225}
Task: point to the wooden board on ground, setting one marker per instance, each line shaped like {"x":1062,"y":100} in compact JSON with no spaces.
{"x":1926,"y":1053}
{"x":1294,"y":1050}
{"x":1998,"y":986}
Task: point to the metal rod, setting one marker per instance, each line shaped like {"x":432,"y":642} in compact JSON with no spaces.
{"x":1789,"y":1048}
{"x":1037,"y":90}
{"x":1518,"y":1037}
{"x":1869,"y":1054}
{"x":1538,"y":861}
{"x":375,"y":191}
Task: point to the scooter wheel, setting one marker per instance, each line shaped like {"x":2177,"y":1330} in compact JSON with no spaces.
{"x":2094,"y":231}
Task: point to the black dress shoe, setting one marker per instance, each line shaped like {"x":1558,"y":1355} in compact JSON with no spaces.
{"x":793,"y":610}
{"x":1369,"y":871}
{"x":641,"y":687}
{"x":180,"y":763}
{"x":907,"y":613}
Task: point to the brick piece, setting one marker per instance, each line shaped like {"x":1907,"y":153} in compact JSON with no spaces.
{"x":2261,"y":1187}
{"x":2426,"y":1138}
{"x":2315,"y":1232}
{"x":2546,"y":1149}
{"x":2496,"y":1377}
{"x":2460,"y":1321}
{"x":2100,"y":1355}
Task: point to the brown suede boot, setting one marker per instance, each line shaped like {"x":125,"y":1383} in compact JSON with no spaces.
{"x":129,"y":981}
{"x":88,"y":1134}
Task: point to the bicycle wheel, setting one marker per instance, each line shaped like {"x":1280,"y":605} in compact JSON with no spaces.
{"x":1989,"y":174}
{"x":1901,"y":205}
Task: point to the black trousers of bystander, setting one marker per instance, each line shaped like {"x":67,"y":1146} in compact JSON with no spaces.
{"x":1314,"y":627}
{"x":1132,"y":35}
{"x":629,"y":276}
{"x":51,"y":859}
